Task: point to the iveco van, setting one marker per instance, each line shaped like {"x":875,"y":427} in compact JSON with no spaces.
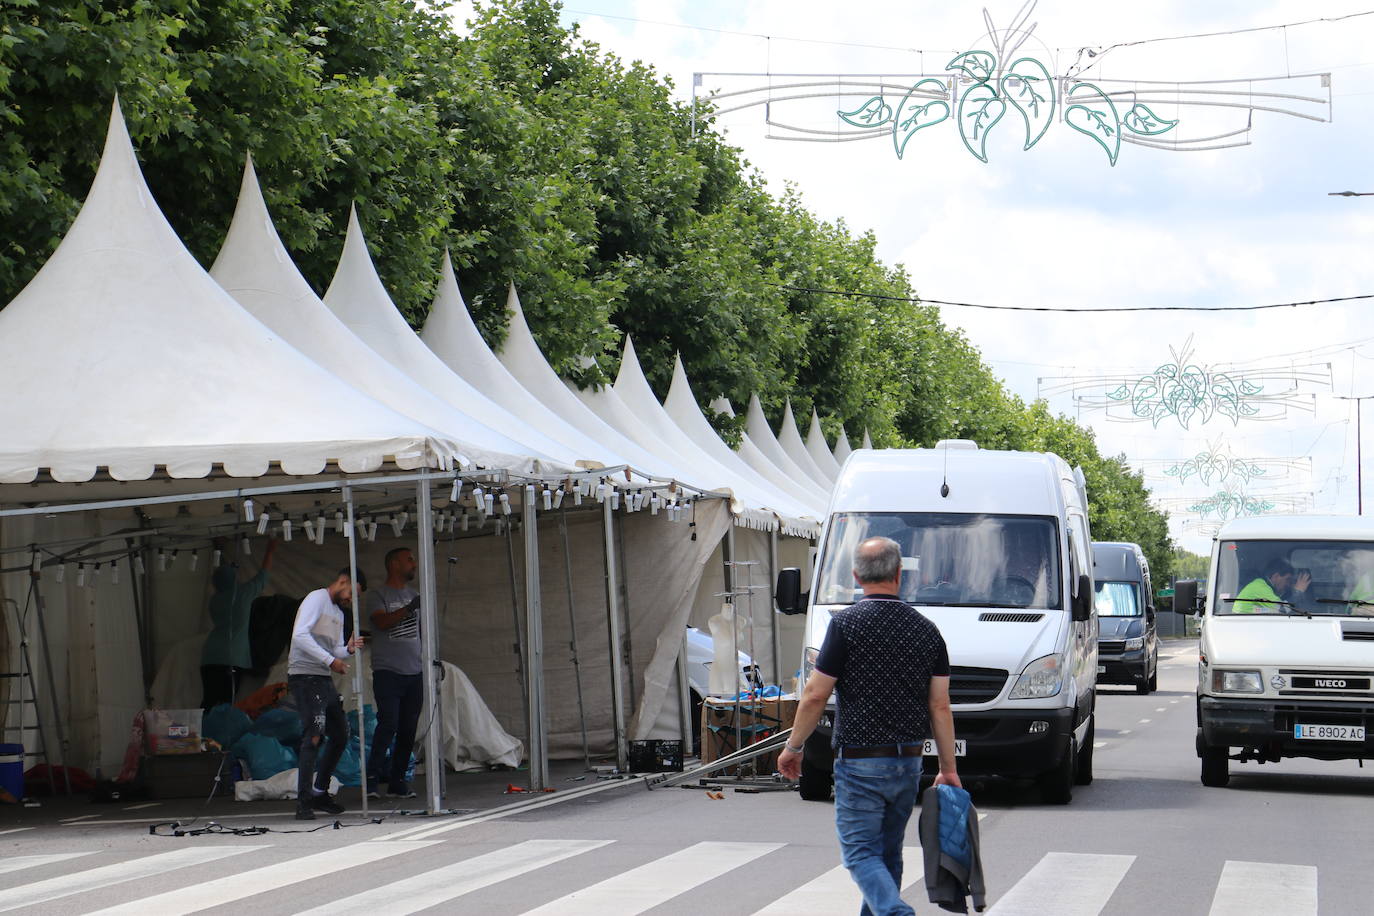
{"x":1127,"y":638}
{"x":996,"y":552}
{"x":1286,"y":653}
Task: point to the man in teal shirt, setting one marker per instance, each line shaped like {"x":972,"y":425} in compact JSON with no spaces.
{"x":227,"y":650}
{"x":1264,"y":594}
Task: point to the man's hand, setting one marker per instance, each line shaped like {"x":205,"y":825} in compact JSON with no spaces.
{"x":948,"y":779}
{"x":1304,"y":579}
{"x":355,"y":643}
{"x":789,"y":764}
{"x":338,"y":667}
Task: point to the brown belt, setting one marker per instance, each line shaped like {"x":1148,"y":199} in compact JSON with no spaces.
{"x":883,"y":750}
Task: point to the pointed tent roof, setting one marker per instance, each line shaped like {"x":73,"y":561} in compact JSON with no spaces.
{"x":789,"y":437}
{"x":868,"y":442}
{"x":521,"y":356}
{"x":357,"y":297}
{"x":634,"y":391}
{"x":819,"y":449}
{"x":684,"y":411}
{"x":253,"y":266}
{"x":842,"y":446}
{"x":123,"y":353}
{"x":756,"y":424}
{"x":753,"y":456}
{"x":450,"y":332}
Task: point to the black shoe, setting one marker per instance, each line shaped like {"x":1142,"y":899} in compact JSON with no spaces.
{"x":304,"y":814}
{"x":326,"y":803}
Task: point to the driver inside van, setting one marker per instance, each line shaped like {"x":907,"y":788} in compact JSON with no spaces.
{"x":1361,"y":595}
{"x":1276,"y":592}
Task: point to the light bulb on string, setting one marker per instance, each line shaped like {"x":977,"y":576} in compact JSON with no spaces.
{"x":286,"y":529}
{"x":247,"y":546}
{"x":248,"y":510}
{"x":602,"y":492}
{"x":340,"y":523}
{"x":478,"y":495}
{"x":59,"y":573}
{"x":139,"y":568}
{"x":463,"y":522}
{"x":457,"y":491}
{"x":654,"y":504}
{"x":505,"y":502}
{"x":548,"y":498}
{"x":489,"y":504}
{"x":615,"y":499}
{"x":309,"y":529}
{"x":371,"y":531}
{"x":161,"y":561}
{"x":321,"y":526}
{"x":81,"y":575}
{"x":404,"y":517}
{"x":557,"y":497}
{"x":577,"y":497}
{"x":263,"y":519}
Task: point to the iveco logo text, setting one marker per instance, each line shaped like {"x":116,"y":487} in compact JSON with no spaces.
{"x":1329,"y":682}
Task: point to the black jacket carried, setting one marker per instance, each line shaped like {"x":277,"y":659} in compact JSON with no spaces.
{"x":949,"y":842}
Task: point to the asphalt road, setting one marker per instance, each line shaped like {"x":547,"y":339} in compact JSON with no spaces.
{"x":1145,"y":838}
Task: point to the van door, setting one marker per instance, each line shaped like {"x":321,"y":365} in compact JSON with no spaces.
{"x":1083,"y":633}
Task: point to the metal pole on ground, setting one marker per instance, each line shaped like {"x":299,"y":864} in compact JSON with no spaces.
{"x":572,"y":645}
{"x":352,"y":533}
{"x":613,"y":635}
{"x":773,"y":615}
{"x":534,"y":641}
{"x":519,"y":650}
{"x":429,"y":649}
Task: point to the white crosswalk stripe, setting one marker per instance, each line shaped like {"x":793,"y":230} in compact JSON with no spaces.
{"x":28,"y":895}
{"x":19,"y":863}
{"x":654,"y":883}
{"x":451,"y":881}
{"x":836,"y":892}
{"x":1065,"y":884}
{"x":269,"y":878}
{"x":1259,"y":889}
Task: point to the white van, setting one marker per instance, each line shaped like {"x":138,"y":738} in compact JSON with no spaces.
{"x":996,"y":552}
{"x":1283,"y":670}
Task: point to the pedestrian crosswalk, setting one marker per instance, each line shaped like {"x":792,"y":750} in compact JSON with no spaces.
{"x":598,"y":876}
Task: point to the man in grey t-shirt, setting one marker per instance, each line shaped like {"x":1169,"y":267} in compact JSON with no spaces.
{"x":397,"y":689}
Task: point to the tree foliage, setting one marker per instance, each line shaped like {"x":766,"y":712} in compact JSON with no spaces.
{"x":537,"y":159}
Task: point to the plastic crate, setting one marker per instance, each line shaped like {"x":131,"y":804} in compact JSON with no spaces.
{"x":656,"y":756}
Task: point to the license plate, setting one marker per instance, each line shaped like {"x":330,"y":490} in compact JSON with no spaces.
{"x":1328,"y":732}
{"x":960,"y":748}
{"x":1101,"y":669}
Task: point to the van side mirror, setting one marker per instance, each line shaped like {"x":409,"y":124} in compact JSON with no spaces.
{"x":1082,"y":606}
{"x":1185,"y":596}
{"x":789,"y":596}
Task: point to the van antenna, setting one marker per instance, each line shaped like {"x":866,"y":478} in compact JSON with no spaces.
{"x":944,"y":474}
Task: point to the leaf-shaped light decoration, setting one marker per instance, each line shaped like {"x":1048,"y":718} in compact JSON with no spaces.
{"x":1093,"y":113}
{"x":915,"y":114}
{"x":1027,"y":85}
{"x":1121,"y":393}
{"x":980,"y":109}
{"x":1141,"y":120}
{"x":873,"y":113}
{"x":1249,"y":388}
{"x":978,"y":66}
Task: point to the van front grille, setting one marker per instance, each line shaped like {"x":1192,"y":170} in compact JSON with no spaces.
{"x":1009,"y":617}
{"x":975,"y":685}
{"x":1111,"y":646}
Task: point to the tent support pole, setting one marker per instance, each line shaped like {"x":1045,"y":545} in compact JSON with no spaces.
{"x":429,"y":649}
{"x":41,"y":607}
{"x":357,"y":628}
{"x":519,"y":648}
{"x":572,"y":627}
{"x":684,"y":700}
{"x":613,"y":634}
{"x":773,"y":616}
{"x":731,"y":592}
{"x":534,"y":642}
{"x":625,"y":605}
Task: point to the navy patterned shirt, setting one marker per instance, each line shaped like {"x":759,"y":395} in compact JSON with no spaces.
{"x":882,"y":653}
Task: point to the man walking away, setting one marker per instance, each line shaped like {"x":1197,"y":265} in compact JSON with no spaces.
{"x":396,"y":686}
{"x":317,"y":649}
{"x":891,"y":668}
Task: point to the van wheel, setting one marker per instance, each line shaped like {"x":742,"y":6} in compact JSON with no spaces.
{"x":1083,"y":775}
{"x":1056,"y":786}
{"x":1143,"y":687}
{"x":1154,"y":676}
{"x":815,"y":783}
{"x":1216,"y":766}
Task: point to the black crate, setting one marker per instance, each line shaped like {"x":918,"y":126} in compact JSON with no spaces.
{"x":187,"y":775}
{"x":656,"y":756}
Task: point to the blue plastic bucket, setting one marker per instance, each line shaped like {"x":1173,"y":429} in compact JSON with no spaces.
{"x":12,"y":769}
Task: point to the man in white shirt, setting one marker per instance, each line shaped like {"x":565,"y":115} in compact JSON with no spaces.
{"x":318,"y":649}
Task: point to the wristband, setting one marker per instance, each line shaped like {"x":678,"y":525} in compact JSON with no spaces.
{"x":795,"y":750}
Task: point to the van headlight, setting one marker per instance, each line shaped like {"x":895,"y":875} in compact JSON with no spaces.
{"x":1236,"y":682}
{"x":809,"y":662}
{"x":1135,"y":642}
{"x":1043,"y":677}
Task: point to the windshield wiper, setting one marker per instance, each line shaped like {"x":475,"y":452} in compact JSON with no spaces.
{"x":1280,"y":602}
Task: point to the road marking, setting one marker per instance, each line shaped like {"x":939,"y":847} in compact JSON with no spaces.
{"x":1261,"y":889}
{"x":1124,"y":731}
{"x":1079,"y":884}
{"x":1144,"y":722}
{"x":261,"y":880}
{"x":144,"y":805}
{"x":1097,"y":744}
{"x":84,"y":817}
{"x":18,"y":863}
{"x":1173,"y":701}
{"x":649,"y":885}
{"x":1161,"y":708}
{"x":27,"y":895}
{"x":16,"y":830}
{"x":444,"y":884}
{"x":836,"y":892}
{"x":425,"y":831}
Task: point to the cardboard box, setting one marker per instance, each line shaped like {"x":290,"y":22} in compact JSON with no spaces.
{"x":172,"y":731}
{"x":757,"y":720}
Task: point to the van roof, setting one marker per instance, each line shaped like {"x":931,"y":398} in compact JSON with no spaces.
{"x":1299,"y":527}
{"x":980,"y":480}
{"x":1119,"y":560}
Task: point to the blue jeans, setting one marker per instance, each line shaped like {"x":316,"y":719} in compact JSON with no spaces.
{"x":399,"y":698}
{"x":874,"y":798}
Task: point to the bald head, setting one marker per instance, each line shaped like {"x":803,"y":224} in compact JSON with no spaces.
{"x":877,"y":561}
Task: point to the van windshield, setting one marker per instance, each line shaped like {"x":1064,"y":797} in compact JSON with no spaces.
{"x":951,"y":559}
{"x":1305,"y":578}
{"x":1117,"y":599}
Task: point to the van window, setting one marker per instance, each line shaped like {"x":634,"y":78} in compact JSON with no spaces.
{"x":1264,"y":577}
{"x":951,"y":559}
{"x":1117,"y":599}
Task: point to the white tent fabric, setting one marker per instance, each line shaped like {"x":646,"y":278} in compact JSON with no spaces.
{"x":357,"y":297}
{"x":123,"y":353}
{"x":450,"y":332}
{"x":819,"y":449}
{"x":868,"y":442}
{"x":521,"y":355}
{"x":753,"y":456}
{"x":789,"y":437}
{"x":842,"y":447}
{"x":756,"y":424}
{"x":684,"y":411}
{"x":254,"y":267}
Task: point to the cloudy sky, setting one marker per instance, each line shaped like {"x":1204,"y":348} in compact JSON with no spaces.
{"x":1058,"y":226}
